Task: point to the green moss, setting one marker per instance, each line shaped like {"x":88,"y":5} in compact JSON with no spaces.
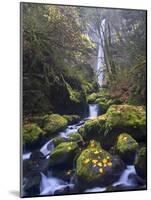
{"x":126,"y":115}
{"x":31,"y":133}
{"x":140,"y":163}
{"x":74,"y":137}
{"x":64,"y":153}
{"x":91,"y":98}
{"x":72,"y":118}
{"x":118,"y":118}
{"x":87,"y":166}
{"x":126,"y":147}
{"x":54,"y":123}
{"x":94,"y":128}
{"x":96,"y":166}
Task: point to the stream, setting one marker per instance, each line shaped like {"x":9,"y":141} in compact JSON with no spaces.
{"x":49,"y":184}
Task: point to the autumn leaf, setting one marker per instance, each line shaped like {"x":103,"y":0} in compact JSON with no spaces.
{"x":86,"y":161}
{"x":101,"y":170}
{"x":94,"y":161}
{"x":104,"y":160}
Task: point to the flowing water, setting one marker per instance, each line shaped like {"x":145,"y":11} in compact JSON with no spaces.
{"x":100,"y":57}
{"x":49,"y":184}
{"x":93,"y":111}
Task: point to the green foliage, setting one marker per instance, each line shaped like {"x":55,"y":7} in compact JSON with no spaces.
{"x":54,"y":48}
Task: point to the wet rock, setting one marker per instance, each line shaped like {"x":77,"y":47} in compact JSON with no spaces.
{"x":63,"y":154}
{"x":126,"y":147}
{"x":32,"y":184}
{"x":141,"y":163}
{"x":96,"y":166}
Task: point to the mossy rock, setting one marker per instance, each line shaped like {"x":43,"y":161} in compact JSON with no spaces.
{"x":91,"y":98}
{"x":54,"y":123}
{"x":31,"y":133}
{"x":126,"y":147}
{"x":118,"y":119}
{"x":63,"y":154}
{"x":141,"y":163}
{"x":96,"y":166}
{"x":93,"y":129}
{"x":74,"y":137}
{"x":72,"y":119}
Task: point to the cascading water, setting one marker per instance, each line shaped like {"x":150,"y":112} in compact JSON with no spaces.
{"x":100,"y":57}
{"x":124,"y":179}
{"x":50,"y":184}
{"x":93,"y":111}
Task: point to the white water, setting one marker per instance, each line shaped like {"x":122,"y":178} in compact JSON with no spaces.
{"x":50,"y":184}
{"x":93,"y":111}
{"x":26,"y":156}
{"x":100,"y":57}
{"x":47,"y":148}
{"x":124,"y":179}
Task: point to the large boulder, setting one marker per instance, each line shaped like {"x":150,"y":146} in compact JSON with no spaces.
{"x":96,"y":166}
{"x":126,"y":147}
{"x":63,"y":155}
{"x":31,"y":133}
{"x":54,"y":123}
{"x":141,"y":163}
{"x":118,"y":119}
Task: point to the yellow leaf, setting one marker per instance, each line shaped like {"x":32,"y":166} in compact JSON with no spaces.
{"x":86,"y":161}
{"x":94,"y":161}
{"x":101,"y":170}
{"x":125,"y":138}
{"x":99,"y":164}
{"x":96,"y":152}
{"x":108,"y":157}
{"x":109,"y":164}
{"x":104,"y":160}
{"x":104,"y":164}
{"x":69,"y":148}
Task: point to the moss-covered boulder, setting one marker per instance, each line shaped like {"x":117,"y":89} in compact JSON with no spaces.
{"x":74,"y":137}
{"x":31,"y":133}
{"x":118,"y":119}
{"x":54,"y":123}
{"x":93,"y":129}
{"x":72,"y":119}
{"x":63,"y":154}
{"x":91,"y":98}
{"x":96,"y":166}
{"x":141,"y":163}
{"x":126,"y":147}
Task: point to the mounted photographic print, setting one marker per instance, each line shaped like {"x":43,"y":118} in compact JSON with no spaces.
{"x":83,"y":100}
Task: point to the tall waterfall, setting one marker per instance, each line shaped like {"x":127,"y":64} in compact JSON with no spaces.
{"x":100,"y":57}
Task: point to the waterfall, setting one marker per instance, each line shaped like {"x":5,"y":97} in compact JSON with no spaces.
{"x":100,"y":57}
{"x":93,"y":111}
{"x":50,"y":184}
{"x":124,"y":179}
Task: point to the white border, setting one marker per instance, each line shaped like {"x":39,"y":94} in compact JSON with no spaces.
{"x":9,"y":97}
